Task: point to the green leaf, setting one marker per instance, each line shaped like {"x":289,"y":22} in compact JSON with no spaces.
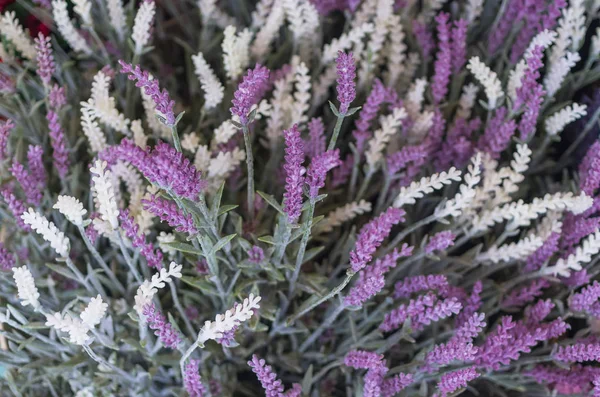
{"x":17,"y":314}
{"x":179,"y":116}
{"x":272,"y":202}
{"x":35,"y":325}
{"x":201,"y":284}
{"x":311,"y":253}
{"x":226,"y":208}
{"x":351,"y":111}
{"x":216,"y":202}
{"x":334,"y":109}
{"x":267,"y":239}
{"x":307,"y":380}
{"x":222,"y":243}
{"x":183,"y":247}
{"x":62,"y":270}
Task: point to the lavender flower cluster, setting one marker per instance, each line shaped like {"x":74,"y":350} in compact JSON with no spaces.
{"x":299,"y":198}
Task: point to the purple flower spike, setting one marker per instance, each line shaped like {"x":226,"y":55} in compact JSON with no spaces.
{"x":346,"y":86}
{"x":58,"y":143}
{"x":440,"y":241}
{"x":36,"y":164}
{"x":395,"y":385}
{"x":408,"y":154}
{"x":45,"y":59}
{"x":57,"y":97}
{"x":343,"y":172}
{"x":424,"y":38}
{"x":589,"y":170}
{"x":584,"y":300}
{"x":421,"y":311}
{"x":443,"y":63}
{"x":256,"y":255}
{"x":316,"y":138}
{"x":526,"y":294}
{"x":373,"y":381}
{"x":192,"y":381}
{"x":360,"y":359}
{"x":505,"y":24}
{"x":162,"y":328}
{"x":164,"y":103}
{"x":452,"y":381}
{"x":320,"y":165}
{"x":578,"y":353}
{"x":162,"y":165}
{"x":410,"y":285}
{"x":267,"y":378}
{"x":249,"y":92}
{"x":30,"y":186}
{"x":371,"y":280}
{"x":5,"y":128}
{"x":294,"y":179}
{"x":131,"y":228}
{"x":168,"y":212}
{"x":7,"y":260}
{"x":498,"y":134}
{"x":16,"y":206}
{"x":459,"y":45}
{"x":368,"y":112}
{"x":542,"y":254}
{"x":372,"y":235}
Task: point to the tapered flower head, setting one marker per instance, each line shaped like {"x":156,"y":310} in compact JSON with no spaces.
{"x":249,"y":92}
{"x":346,"y":86}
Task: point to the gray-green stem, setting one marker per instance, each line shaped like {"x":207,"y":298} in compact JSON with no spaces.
{"x":130,"y":264}
{"x":336,"y":131}
{"x":176,"y":140}
{"x":101,"y":261}
{"x":250,"y":166}
{"x":325,"y":298}
{"x":282,"y":243}
{"x":302,"y":249}
{"x":78,"y":274}
{"x":326,"y":324}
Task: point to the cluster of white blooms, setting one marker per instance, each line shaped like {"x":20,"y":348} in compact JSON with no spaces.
{"x":10,"y":27}
{"x":90,"y":127}
{"x":415,"y":96}
{"x":269,"y":29}
{"x":148,"y":289}
{"x":301,"y":95}
{"x":559,"y":120}
{"x":142,"y":25}
{"x":235,"y":51}
{"x":228,"y":321}
{"x":217,"y":169}
{"x":519,"y":214}
{"x":190,"y":141}
{"x":343,"y":214}
{"x":139,"y":136}
{"x":427,"y":184}
{"x":224,"y":132}
{"x":513,"y":251}
{"x":212,"y":87}
{"x":473,"y":10}
{"x":71,"y":208}
{"x":79,"y":328}
{"x":389,"y":126}
{"x":83,"y":8}
{"x":66,"y":28}
{"x":558,"y":71}
{"x":396,"y":50}
{"x":583,"y":254}
{"x":211,"y":13}
{"x":303,"y":20}
{"x":345,"y":42}
{"x":463,"y":199}
{"x":102,"y":105}
{"x":26,"y":289}
{"x":104,"y":194}
{"x":467,"y":101}
{"x":48,"y":231}
{"x":488,"y":79}
{"x":116,"y":15}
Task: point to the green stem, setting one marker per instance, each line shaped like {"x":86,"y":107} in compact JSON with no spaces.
{"x":129,"y":89}
{"x":179,"y":308}
{"x":364,"y":185}
{"x":330,"y":295}
{"x":78,"y":274}
{"x":101,"y":261}
{"x":176,"y":140}
{"x":326,"y":324}
{"x":282,"y":244}
{"x":130,"y":379}
{"x":384,"y":191}
{"x":400,"y":236}
{"x":336,"y":131}
{"x":132,"y":267}
{"x":302,"y":249}
{"x":250,"y":166}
